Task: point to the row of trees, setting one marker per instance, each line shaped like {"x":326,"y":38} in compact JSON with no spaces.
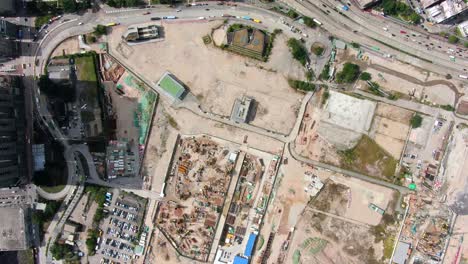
{"x":301,"y":85}
{"x":124,"y":3}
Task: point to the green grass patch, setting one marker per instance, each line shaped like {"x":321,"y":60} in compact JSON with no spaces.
{"x":260,"y":242}
{"x":368,"y":157}
{"x":171,"y":86}
{"x":53,"y":189}
{"x":86,"y":70}
{"x":297,"y":257}
{"x":388,"y":244}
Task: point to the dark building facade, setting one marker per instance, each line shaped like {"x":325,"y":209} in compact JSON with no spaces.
{"x":13,"y":160}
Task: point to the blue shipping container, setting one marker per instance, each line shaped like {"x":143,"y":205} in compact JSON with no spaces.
{"x":250,"y":245}
{"x":240,"y":260}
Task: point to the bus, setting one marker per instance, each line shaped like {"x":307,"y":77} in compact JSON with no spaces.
{"x":112,"y":24}
{"x":257,"y":21}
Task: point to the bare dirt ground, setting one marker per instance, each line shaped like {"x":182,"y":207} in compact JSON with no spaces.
{"x":390,"y":128}
{"x":455,"y":175}
{"x":163,"y":252}
{"x":321,"y":239}
{"x":218,"y":77}
{"x":219,"y":36}
{"x":67,"y":47}
{"x":309,"y":143}
{"x":289,"y":201}
{"x":458,"y":245}
{"x":360,"y":195}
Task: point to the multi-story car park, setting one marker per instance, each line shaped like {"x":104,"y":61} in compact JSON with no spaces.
{"x":122,"y":228}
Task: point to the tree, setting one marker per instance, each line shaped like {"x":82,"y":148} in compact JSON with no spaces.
{"x":349,"y":73}
{"x":453,"y":39}
{"x":292,"y":14}
{"x":69,"y":6}
{"x":416,"y":121}
{"x":365,"y":76}
{"x":298,"y":51}
{"x":60,"y":251}
{"x":100,"y":30}
{"x":465,"y":44}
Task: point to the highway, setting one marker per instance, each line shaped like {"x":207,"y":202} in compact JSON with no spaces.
{"x":367,"y":30}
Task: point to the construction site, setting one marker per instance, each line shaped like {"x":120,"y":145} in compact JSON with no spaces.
{"x":247,"y":209}
{"x":129,"y":105}
{"x":425,"y":231}
{"x":196,"y":186}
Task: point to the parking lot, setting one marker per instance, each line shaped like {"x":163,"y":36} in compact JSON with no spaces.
{"x":121,"y":228}
{"x":75,"y":128}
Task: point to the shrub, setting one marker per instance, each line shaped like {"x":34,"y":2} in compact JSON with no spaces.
{"x":317,"y":50}
{"x":298,"y":51}
{"x":416,"y":121}
{"x":325,"y":96}
{"x":453,"y":39}
{"x":325,"y":72}
{"x":349,"y":73}
{"x":365,"y":76}
{"x":310,"y":75}
{"x":100,"y":30}
{"x":355,"y":45}
{"x":447,"y":107}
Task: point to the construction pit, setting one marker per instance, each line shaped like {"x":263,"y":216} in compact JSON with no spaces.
{"x":231,"y":76}
{"x":196,"y":187}
{"x":213,"y":185}
{"x":353,"y":133}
